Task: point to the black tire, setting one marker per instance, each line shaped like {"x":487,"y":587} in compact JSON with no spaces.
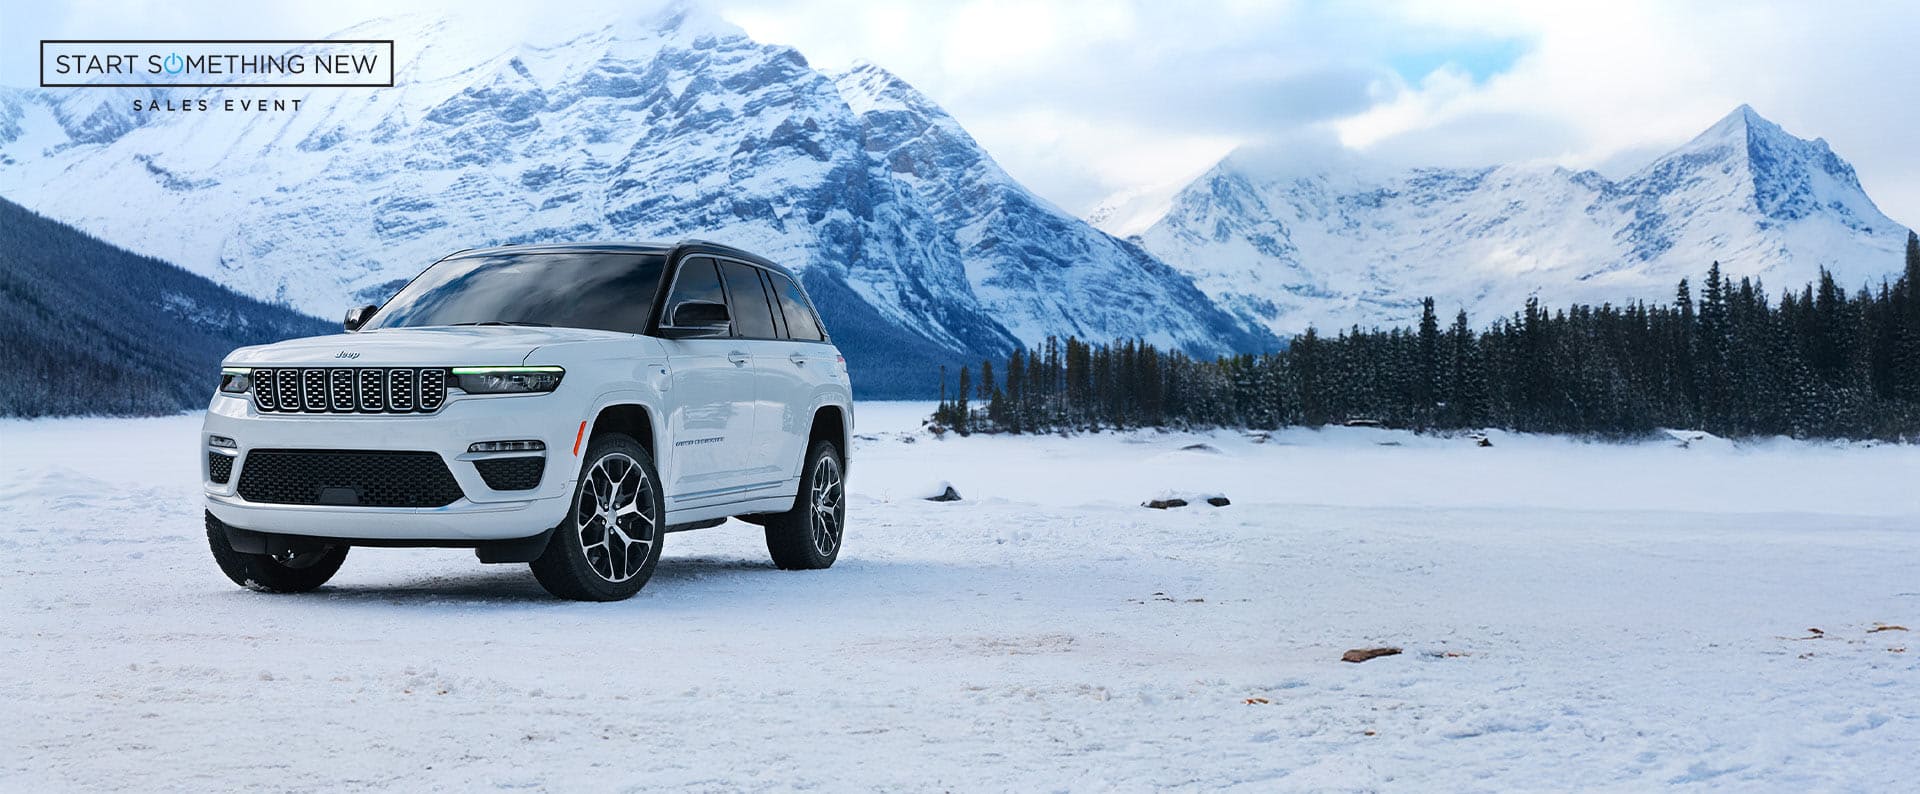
{"x":294,"y":572}
{"x":808,"y":537}
{"x":583,"y":560}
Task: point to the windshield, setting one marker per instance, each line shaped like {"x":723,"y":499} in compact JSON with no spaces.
{"x":604,"y":291}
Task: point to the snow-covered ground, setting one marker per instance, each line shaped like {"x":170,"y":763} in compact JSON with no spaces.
{"x":1574,"y":616}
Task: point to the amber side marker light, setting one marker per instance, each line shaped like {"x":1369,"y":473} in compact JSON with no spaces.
{"x":582,"y":433}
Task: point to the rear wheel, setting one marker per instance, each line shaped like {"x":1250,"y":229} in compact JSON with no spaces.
{"x":808,"y":536}
{"x":609,"y":543}
{"x":290,"y":571}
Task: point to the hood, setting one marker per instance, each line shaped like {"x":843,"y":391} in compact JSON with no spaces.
{"x":444,"y":346}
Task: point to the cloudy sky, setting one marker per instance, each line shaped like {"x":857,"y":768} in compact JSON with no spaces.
{"x":1088,"y":100}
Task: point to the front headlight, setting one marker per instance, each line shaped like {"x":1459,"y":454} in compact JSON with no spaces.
{"x":236,"y":380}
{"x":507,"y":380}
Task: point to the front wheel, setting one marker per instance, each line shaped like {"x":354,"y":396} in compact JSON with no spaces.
{"x":609,"y":543}
{"x":285,"y":572}
{"x":808,"y":536}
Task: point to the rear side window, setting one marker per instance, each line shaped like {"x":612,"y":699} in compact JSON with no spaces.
{"x":801,"y":322}
{"x":779,"y":322}
{"x":697,"y":281}
{"x":752,"y":314}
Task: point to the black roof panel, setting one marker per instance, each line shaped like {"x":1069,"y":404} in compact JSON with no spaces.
{"x":684,"y":246}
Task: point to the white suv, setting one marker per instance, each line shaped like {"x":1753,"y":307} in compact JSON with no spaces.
{"x":560,"y":405}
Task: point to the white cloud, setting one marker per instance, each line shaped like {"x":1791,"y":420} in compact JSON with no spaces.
{"x":1082,"y":100}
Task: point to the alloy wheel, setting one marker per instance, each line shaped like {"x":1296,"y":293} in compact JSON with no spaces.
{"x":614,"y":521}
{"x":828,"y":502}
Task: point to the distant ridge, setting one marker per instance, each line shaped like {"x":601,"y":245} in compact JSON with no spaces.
{"x":91,"y":329}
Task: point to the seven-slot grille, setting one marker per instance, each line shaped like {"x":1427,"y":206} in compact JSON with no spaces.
{"x":349,"y":390}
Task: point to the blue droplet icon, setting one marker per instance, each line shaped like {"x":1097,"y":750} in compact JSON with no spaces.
{"x":173,"y":63}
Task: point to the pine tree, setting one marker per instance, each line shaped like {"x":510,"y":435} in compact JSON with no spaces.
{"x":1685,"y":389}
{"x":1466,"y":387}
{"x":1151,"y":389}
{"x":1035,"y":412}
{"x":990,"y":392}
{"x":1906,"y":354}
{"x":1054,"y":410}
{"x":1828,"y":354}
{"x":1714,"y":342}
{"x":1426,"y":388}
{"x":1079,"y":361}
{"x":1307,"y":364}
{"x":1016,"y":407}
{"x":963,"y":413}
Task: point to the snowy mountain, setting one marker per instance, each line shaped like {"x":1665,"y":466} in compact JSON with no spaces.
{"x":1348,"y":242}
{"x":1021,"y":252}
{"x":918,"y":247}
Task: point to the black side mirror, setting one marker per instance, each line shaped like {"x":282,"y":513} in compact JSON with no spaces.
{"x":693,"y":319}
{"x":358,"y":316}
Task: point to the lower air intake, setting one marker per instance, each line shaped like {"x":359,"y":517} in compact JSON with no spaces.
{"x":347,"y":478}
{"x":511,"y":474}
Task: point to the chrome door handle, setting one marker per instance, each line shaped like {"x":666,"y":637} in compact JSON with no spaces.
{"x":738,"y":357}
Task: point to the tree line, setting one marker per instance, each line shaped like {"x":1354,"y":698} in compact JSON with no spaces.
{"x":1818,"y":362}
{"x":94,"y":329}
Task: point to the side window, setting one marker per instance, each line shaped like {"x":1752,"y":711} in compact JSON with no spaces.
{"x":752,"y":315}
{"x":697,"y":281}
{"x":801,"y":323}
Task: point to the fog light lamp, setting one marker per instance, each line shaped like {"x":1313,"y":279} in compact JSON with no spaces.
{"x":507,"y":446}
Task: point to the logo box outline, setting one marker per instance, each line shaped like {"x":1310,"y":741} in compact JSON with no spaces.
{"x":392,"y":67}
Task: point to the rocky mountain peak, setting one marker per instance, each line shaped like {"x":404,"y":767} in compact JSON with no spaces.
{"x":1340,"y":241}
{"x":1789,"y":177}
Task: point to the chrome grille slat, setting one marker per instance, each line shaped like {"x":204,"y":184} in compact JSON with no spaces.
{"x":373,"y":390}
{"x":340,"y":389}
{"x":287,"y":385}
{"x":263,"y":390}
{"x":400,"y":389}
{"x":350,"y":390}
{"x":313,"y":389}
{"x":433,"y":389}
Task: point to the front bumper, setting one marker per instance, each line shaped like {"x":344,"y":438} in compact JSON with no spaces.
{"x":483,"y":513}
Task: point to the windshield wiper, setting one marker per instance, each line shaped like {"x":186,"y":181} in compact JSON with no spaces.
{"x":509,"y":322}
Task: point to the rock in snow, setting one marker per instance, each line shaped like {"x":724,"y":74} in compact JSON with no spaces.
{"x":1358,"y":655}
{"x":945,"y":494}
{"x":1170,"y":499}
